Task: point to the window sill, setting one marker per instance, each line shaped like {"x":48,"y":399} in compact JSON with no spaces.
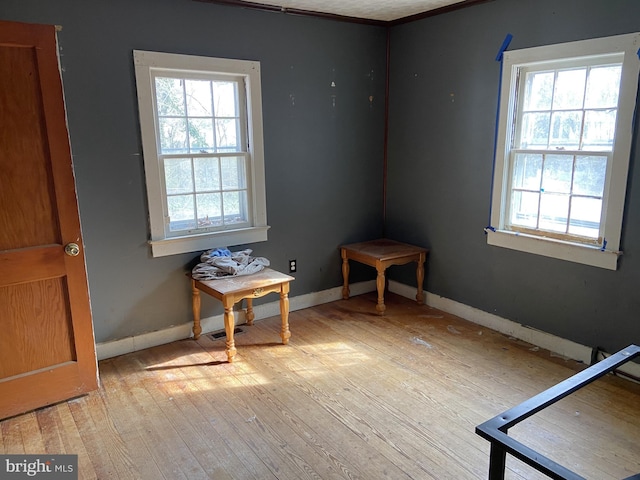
{"x":197,"y":243}
{"x":548,"y":247}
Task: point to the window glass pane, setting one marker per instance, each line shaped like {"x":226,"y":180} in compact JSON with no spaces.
{"x":198,"y":98}
{"x":554,"y":210}
{"x":227,"y":134}
{"x":566,"y":128}
{"x":535,"y":130}
{"x":207,"y":174}
{"x":556,"y":177}
{"x":235,"y":210}
{"x":527,"y":171}
{"x":233,"y":173}
{"x":585,"y":217}
{"x":524,"y":209}
{"x":569,"y":89}
{"x":225,"y":95}
{"x":169,"y":96}
{"x":177,"y":175}
{"x":599,"y":129}
{"x":539,"y":91}
{"x":173,"y":135}
{"x":603,"y":87}
{"x":589,"y":176}
{"x":181,"y":212}
{"x":201,"y":135}
{"x":209,"y":210}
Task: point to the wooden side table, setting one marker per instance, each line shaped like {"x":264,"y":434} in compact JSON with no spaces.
{"x":230,"y":290}
{"x":381,"y":254}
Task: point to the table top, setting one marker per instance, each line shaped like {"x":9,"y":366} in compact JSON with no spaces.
{"x":384,"y":249}
{"x":236,"y":283}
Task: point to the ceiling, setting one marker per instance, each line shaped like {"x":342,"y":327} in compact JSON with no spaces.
{"x":377,"y":10}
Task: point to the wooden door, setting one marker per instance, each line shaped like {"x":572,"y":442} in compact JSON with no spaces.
{"x":47,"y":349}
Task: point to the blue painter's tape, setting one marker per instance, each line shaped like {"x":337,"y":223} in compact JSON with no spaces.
{"x":635,"y":109}
{"x":604,"y":245}
{"x":489,"y":228}
{"x":505,"y":45}
{"x":639,"y":53}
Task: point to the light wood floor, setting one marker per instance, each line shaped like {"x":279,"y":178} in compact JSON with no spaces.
{"x":353,"y":396}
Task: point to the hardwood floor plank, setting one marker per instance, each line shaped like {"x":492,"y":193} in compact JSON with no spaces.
{"x":49,"y":428}
{"x":72,"y":440}
{"x":267,"y":443}
{"x":575,"y":443}
{"x":12,"y":435}
{"x":196,"y":431}
{"x":401,"y":432}
{"x":173,"y":458}
{"x":199,"y":383}
{"x":31,"y":436}
{"x":100,"y":452}
{"x":354,"y":395}
{"x":275,"y":364}
{"x":304,"y":429}
{"x":133,"y":433}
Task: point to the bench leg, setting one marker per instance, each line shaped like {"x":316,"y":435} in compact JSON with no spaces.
{"x":345,"y":276}
{"x":195,"y":300}
{"x":285,"y":334}
{"x":420,"y":279}
{"x":229,"y":325}
{"x":249,"y":315}
{"x":380,"y":284}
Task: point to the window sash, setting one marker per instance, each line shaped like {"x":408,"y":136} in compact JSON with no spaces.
{"x":573,"y":222}
{"x":241,"y":117}
{"x":545,"y":225}
{"x":556,"y":68}
{"x":203,"y":223}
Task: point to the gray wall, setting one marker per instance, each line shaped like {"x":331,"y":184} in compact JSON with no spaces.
{"x":444,"y":86}
{"x":323,"y":164}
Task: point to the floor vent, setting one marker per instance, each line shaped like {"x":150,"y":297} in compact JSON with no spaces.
{"x":221,"y":333}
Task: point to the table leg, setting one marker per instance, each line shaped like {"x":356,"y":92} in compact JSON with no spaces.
{"x":229,"y":325}
{"x":249,"y":315}
{"x":420,"y":279}
{"x":285,"y":334}
{"x":380,"y":284}
{"x":345,"y":275}
{"x":195,"y":301}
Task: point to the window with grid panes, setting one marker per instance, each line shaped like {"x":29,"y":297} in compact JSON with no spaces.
{"x":202,"y":141}
{"x":563,"y":149}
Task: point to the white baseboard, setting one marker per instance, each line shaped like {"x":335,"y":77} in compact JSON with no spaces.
{"x":212,"y":324}
{"x":556,"y":345}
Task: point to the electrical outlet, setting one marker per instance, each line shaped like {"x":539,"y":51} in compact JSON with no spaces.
{"x":293,"y":264}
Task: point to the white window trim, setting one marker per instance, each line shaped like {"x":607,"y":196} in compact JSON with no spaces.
{"x":250,"y":70}
{"x":616,"y":185}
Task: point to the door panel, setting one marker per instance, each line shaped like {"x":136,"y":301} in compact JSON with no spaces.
{"x":37,"y":314}
{"x":47,"y":349}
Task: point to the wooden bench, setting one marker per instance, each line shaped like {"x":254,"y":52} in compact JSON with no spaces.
{"x":381,"y":254}
{"x":233,"y":289}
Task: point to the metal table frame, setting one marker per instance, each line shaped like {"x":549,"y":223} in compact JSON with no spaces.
{"x":495,"y":430}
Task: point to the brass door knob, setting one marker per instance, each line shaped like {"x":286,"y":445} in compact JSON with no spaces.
{"x":72,"y":249}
